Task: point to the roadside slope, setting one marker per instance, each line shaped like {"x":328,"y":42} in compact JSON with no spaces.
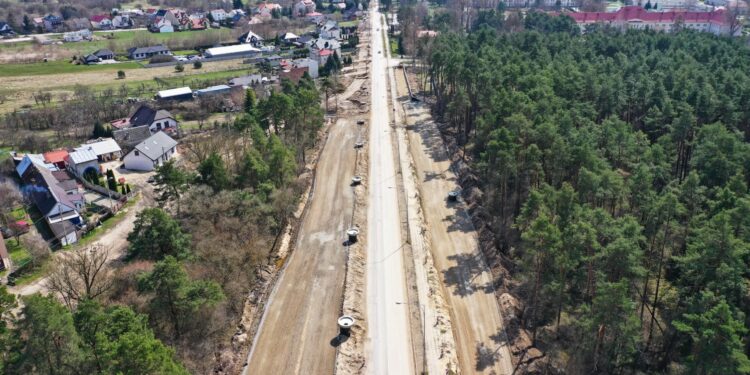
{"x":475,"y":314}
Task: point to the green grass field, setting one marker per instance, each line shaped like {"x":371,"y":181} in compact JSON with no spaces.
{"x":118,"y":41}
{"x":60,"y":66}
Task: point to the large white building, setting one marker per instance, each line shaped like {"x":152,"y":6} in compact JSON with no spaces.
{"x":635,"y":17}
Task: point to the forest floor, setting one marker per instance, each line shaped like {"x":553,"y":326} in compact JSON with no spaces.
{"x":475,"y":315}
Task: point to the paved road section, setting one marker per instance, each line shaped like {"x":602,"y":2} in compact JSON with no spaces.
{"x":296,"y":331}
{"x":389,"y":344}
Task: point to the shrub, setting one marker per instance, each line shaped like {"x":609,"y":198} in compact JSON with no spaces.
{"x":120,"y":74}
{"x":179,"y":68}
{"x":160,"y":59}
{"x":197,"y":65}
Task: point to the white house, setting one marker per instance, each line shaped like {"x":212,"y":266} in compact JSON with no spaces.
{"x":330,"y":30}
{"x":218,"y":15}
{"x":310,"y":64}
{"x":151,"y":153}
{"x":77,"y":36}
{"x":304,"y":7}
{"x":82,"y":160}
{"x":106,"y":149}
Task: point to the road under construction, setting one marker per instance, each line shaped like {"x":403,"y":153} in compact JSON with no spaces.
{"x":425,"y":304}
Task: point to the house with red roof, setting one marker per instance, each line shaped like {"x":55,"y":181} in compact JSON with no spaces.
{"x":56,"y":157}
{"x":101,"y":22}
{"x":635,"y":17}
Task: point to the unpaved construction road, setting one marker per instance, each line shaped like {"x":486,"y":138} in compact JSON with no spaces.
{"x":476,"y":318}
{"x":297,"y":334}
{"x":389,"y":349}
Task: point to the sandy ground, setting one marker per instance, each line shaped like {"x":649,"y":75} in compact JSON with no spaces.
{"x":298,"y":332}
{"x":439,"y":345}
{"x":389,"y":342}
{"x":475,"y":314}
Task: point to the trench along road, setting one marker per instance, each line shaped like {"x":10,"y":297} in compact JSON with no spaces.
{"x":476,"y":317}
{"x":299,"y":323}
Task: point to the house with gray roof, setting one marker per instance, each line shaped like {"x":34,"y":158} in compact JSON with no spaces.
{"x":83,"y":160}
{"x":151,"y":153}
{"x":156,"y":119}
{"x":60,"y":208}
{"x":141,"y":53}
{"x":129,"y":137}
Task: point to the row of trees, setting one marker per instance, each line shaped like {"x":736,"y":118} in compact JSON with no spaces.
{"x":616,"y":174}
{"x":233,"y":207}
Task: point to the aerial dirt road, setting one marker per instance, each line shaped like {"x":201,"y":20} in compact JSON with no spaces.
{"x":389,"y":343}
{"x":476,"y":318}
{"x":299,"y":323}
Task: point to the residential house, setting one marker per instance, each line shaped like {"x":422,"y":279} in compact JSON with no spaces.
{"x":60,"y":209}
{"x":101,"y":22}
{"x":24,"y":163}
{"x":161,"y":25}
{"x":303,"y":7}
{"x":98,"y":56}
{"x":635,"y":17}
{"x":122,"y":21}
{"x":315,"y":17}
{"x":151,"y":153}
{"x":66,"y":182}
{"x":218,"y":15}
{"x":251,"y":38}
{"x":5,"y":29}
{"x":330,"y":30}
{"x":321,"y":49}
{"x":310,"y":64}
{"x":198,"y":22}
{"x":127,"y":138}
{"x":78,"y":36}
{"x":105,"y":149}
{"x":56,"y":157}
{"x":289,"y":38}
{"x":83,"y":161}
{"x":147,"y":52}
{"x":52,"y":23}
{"x":144,"y":115}
{"x":265,"y":11}
{"x":234,"y":17}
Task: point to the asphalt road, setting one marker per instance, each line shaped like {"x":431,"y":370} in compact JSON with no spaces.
{"x":389,"y":343}
{"x":299,"y":323}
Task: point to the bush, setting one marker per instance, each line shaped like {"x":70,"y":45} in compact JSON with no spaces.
{"x":179,"y":68}
{"x":120,"y":74}
{"x":160,"y":59}
{"x":197,"y":65}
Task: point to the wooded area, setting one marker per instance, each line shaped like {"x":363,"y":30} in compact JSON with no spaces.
{"x":615,"y":167}
{"x":174,"y":303}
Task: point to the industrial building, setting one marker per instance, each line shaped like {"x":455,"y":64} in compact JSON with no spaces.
{"x":181,"y":93}
{"x":213,"y":90}
{"x":240,"y":50}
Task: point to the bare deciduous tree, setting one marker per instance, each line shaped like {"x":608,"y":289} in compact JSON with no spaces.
{"x":37,"y":247}
{"x":82,"y":274}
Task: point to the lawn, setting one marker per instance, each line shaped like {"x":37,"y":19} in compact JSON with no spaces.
{"x":349,"y":23}
{"x":61,"y":66}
